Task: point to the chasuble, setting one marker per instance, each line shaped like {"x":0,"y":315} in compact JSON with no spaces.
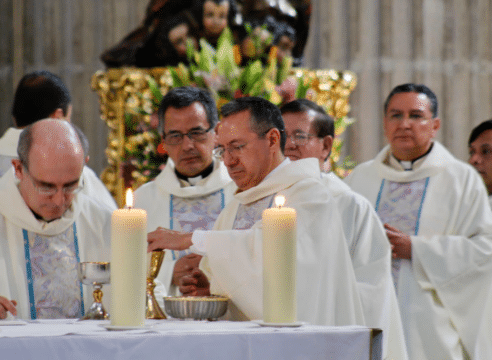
{"x":38,"y":259}
{"x":326,"y":287}
{"x":442,"y":291}
{"x":174,"y":204}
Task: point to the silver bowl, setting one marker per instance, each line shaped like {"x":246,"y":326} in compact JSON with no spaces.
{"x":196,"y":307}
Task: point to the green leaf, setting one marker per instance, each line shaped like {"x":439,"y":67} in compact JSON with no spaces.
{"x":177,"y":82}
{"x":190,"y":50}
{"x":302,"y":89}
{"x":207,"y":54}
{"x":154,"y":88}
{"x":251,"y":76}
{"x":226,"y":64}
{"x":285,"y":68}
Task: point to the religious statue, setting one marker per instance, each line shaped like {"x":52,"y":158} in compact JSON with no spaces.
{"x":170,"y":26}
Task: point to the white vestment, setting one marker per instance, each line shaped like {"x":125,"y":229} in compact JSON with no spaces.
{"x":8,"y":148}
{"x":92,"y":224}
{"x":443,"y":289}
{"x":370,"y":252}
{"x":326,"y":287}
{"x":93,"y":186}
{"x":173,"y":204}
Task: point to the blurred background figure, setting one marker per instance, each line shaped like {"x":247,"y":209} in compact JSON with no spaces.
{"x":480,"y":149}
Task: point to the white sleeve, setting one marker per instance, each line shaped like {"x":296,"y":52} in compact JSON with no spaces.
{"x":198,"y":240}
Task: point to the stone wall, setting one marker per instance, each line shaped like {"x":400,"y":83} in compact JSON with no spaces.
{"x":444,"y":44}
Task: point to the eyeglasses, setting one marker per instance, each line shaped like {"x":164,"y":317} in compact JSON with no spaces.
{"x":300,"y":138}
{"x":232,"y":150}
{"x":413,"y":117}
{"x":51,"y":190}
{"x":176,"y":137}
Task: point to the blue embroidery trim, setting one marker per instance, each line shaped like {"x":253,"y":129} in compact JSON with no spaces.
{"x":222,"y":204}
{"x":171,"y":219}
{"x":76,"y":246}
{"x":420,"y":207}
{"x":27,"y":255}
{"x":379,"y":195}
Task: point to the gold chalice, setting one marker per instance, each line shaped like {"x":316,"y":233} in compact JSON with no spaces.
{"x":153,"y":310}
{"x":95,"y":274}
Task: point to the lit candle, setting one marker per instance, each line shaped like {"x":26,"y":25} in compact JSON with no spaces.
{"x":128,"y":265}
{"x":279,"y":263}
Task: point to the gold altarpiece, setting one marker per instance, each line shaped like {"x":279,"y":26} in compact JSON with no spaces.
{"x":122,"y":91}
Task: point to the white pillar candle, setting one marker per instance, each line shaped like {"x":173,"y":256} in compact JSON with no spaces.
{"x":279,"y":264}
{"x":128,"y":265}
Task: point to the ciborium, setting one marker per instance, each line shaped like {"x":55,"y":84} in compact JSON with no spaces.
{"x":96,"y":274}
{"x":153,"y":310}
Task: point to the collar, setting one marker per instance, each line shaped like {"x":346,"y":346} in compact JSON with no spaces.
{"x":194,"y":180}
{"x":403,"y":165}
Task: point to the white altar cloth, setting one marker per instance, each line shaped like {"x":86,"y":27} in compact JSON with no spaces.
{"x":183,"y":339}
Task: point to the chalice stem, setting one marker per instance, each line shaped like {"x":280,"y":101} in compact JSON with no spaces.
{"x":153,"y":310}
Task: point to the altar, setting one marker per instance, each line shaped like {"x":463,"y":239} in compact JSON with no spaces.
{"x":182,"y":339}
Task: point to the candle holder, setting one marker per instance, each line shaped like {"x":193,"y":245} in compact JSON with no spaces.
{"x":95,"y":274}
{"x":153,"y":310}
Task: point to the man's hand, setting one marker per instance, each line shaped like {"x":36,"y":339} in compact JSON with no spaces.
{"x":195,"y":284}
{"x":162,"y":238}
{"x":5,"y":306}
{"x":185,"y":266}
{"x":401,"y":244}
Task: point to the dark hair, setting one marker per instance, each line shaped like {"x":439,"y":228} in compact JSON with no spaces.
{"x":185,"y":96}
{"x":264,"y":115}
{"x":37,"y":96}
{"x":281,"y":29}
{"x":417,"y":88}
{"x":323,"y":124}
{"x":479,"y":129}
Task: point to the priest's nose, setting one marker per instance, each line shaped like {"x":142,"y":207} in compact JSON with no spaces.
{"x":59,"y":198}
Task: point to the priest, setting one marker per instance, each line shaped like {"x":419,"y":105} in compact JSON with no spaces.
{"x":192,"y":189}
{"x":310,"y":132}
{"x":251,"y":140}
{"x":48,"y":226}
{"x":438,"y":221}
{"x":42,"y":95}
{"x":480,"y":150}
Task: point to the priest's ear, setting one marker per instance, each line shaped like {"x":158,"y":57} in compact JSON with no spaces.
{"x":273,"y":137}
{"x":18,"y":168}
{"x":326,"y":144}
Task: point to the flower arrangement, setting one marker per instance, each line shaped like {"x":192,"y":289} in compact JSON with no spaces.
{"x":218,"y":70}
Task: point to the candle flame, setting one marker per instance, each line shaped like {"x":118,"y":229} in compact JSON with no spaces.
{"x":129,"y":198}
{"x":279,"y":201}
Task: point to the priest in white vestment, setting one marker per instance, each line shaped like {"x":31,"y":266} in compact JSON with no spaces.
{"x":47,"y":226}
{"x":93,"y":186}
{"x":41,"y":95}
{"x":310,"y":133}
{"x":437,"y":218}
{"x":192,"y":190}
{"x":480,"y":150}
{"x":251,"y":138}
